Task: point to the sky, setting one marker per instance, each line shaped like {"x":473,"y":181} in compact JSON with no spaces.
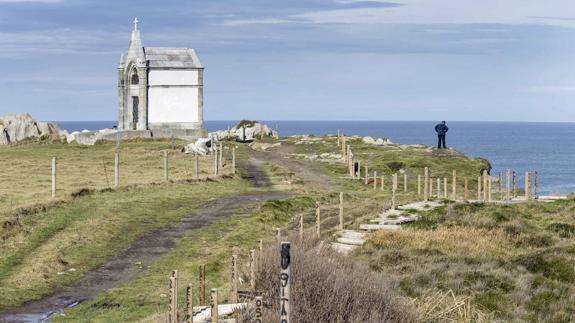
{"x":473,"y":60}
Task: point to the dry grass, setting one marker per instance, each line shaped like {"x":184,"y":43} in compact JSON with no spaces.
{"x":25,"y":178}
{"x":457,"y":242}
{"x":329,"y":287}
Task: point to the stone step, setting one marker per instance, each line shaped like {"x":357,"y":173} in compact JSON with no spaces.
{"x":343,"y":248}
{"x":373,"y":227}
{"x":398,"y":221}
{"x":352,"y":234}
{"x":351,"y":241}
{"x":422,"y":206}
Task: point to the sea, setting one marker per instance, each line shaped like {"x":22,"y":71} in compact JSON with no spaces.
{"x":548,"y":148}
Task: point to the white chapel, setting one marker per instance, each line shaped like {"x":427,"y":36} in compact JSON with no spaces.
{"x":160,"y":90}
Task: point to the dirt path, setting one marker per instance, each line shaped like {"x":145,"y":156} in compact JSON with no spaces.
{"x":304,"y":170}
{"x":121,"y":268}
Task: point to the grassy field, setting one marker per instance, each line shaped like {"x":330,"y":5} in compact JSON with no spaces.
{"x":513,"y":262}
{"x":25,"y":178}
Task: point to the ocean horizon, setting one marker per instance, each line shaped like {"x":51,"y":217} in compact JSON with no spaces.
{"x":545,"y":147}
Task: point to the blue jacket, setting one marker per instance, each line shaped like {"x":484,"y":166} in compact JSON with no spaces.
{"x":441,"y":129}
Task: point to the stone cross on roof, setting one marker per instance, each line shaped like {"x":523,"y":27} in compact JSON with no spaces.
{"x":136,"y":21}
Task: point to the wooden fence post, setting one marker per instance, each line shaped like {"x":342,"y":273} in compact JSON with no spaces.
{"x":117,"y":170}
{"x":253,"y":269}
{"x":527,"y":186}
{"x":393,"y":190}
{"x":259,"y":313}
{"x":221,"y":157}
{"x":54,"y":177}
{"x":438,"y":188}
{"x":278,"y":235}
{"x":466,"y":189}
{"x":197,"y":166}
{"x":514,"y":184}
{"x":454,"y":185}
{"x":338,"y":137}
{"x":366,"y":174}
{"x":202,"y":285}
{"x":430,"y":187}
{"x":341,"y":210}
{"x":485,"y":185}
{"x":173,"y":314}
{"x":343,"y":148}
{"x":165,"y":165}
{"x":500,"y":184}
{"x":405,"y":183}
{"x":214,"y":305}
{"x":317,"y":220}
{"x":445,"y":187}
{"x":234,"y":287}
{"x":374,"y":180}
{"x":216,"y":163}
{"x":358,"y":169}
{"x":234,"y":160}
{"x":536,"y":184}
{"x":285,"y":282}
{"x":189,"y":304}
{"x":260,"y":254}
{"x":382,"y":182}
{"x":508,"y":184}
{"x":426,"y":184}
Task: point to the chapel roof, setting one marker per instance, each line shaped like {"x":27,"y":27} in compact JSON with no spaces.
{"x":168,"y":57}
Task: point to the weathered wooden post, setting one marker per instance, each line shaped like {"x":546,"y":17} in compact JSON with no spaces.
{"x":189,"y":317}
{"x":285,"y":282}
{"x":536,"y":183}
{"x":418,"y":184}
{"x":278,"y":235}
{"x":454,"y":185}
{"x":438,"y":188}
{"x":393,"y":190}
{"x":317,"y":220}
{"x":253,"y":269}
{"x":338,"y":138}
{"x":508,"y":184}
{"x":260,"y":254}
{"x":202,"y":285}
{"x":54,"y":177}
{"x":173,"y":314}
{"x":117,"y":170}
{"x":214,"y":305}
{"x":259,"y":313}
{"x":465,"y":189}
{"x":366,"y":174}
{"x":374,"y":180}
{"x":426,"y":184}
{"x":445,"y":187}
{"x":197,"y":169}
{"x":382,"y":182}
{"x":479,"y":195}
{"x":234,"y":279}
{"x":405,"y":183}
{"x":234,"y":160}
{"x":343,"y":148}
{"x":485,"y":185}
{"x":216,"y":162}
{"x":221,"y":157}
{"x":165,"y":165}
{"x":514,"y":184}
{"x":358,"y":175}
{"x":527,"y":186}
{"x":341,"y":210}
{"x":430,"y":187}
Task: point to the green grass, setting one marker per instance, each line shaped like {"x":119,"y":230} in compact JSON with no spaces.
{"x":515,"y":262}
{"x":82,"y":234}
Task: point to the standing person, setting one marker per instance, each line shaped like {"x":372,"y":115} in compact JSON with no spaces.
{"x":441,"y":129}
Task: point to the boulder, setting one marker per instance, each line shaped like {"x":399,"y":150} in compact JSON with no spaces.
{"x":244,"y":131}
{"x":18,"y":127}
{"x":200,"y":147}
{"x":376,"y":141}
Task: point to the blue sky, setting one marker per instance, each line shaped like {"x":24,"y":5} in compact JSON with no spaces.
{"x":508,"y":60}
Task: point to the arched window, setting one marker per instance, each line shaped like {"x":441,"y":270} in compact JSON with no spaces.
{"x":134,"y":80}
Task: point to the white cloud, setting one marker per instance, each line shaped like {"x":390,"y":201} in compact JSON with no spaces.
{"x":453,"y":12}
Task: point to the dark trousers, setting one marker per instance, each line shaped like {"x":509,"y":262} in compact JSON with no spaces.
{"x":441,"y":141}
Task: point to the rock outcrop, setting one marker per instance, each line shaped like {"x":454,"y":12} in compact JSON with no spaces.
{"x":18,"y":127}
{"x":244,"y":131}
